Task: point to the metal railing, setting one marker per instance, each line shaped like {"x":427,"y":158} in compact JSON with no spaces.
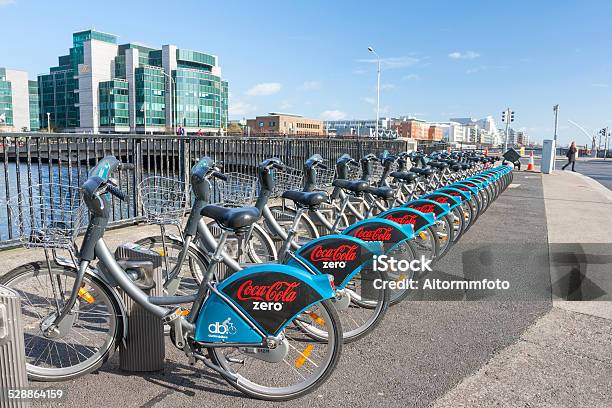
{"x":65,"y":159}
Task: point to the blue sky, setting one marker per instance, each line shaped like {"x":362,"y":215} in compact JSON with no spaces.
{"x":440,"y":58}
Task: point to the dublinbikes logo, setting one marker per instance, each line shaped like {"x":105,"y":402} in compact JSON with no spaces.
{"x":221,"y":330}
{"x":268,"y":297}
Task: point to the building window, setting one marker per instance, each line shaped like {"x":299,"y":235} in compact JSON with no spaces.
{"x":261,"y":124}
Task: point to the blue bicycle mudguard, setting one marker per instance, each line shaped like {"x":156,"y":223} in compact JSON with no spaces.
{"x":466,"y":187}
{"x":484,"y":182}
{"x":455,"y":192}
{"x":408,"y":216}
{"x":390,"y":233}
{"x":269,"y":295}
{"x":443,"y":198}
{"x":491,"y":176}
{"x":429,"y":206}
{"x":479,"y":184}
{"x":341,"y":256}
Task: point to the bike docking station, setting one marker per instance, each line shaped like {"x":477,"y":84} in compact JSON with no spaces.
{"x":144,"y":347}
{"x":13,"y":376}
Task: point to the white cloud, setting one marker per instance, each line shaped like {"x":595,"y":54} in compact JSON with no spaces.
{"x":264,"y":89}
{"x":393,"y":62}
{"x":387,"y":86}
{"x":239,"y":108}
{"x":285,"y":105}
{"x":599,"y":85}
{"x":369,"y":100}
{"x":411,"y":77}
{"x":468,"y":55}
{"x":310,"y":86}
{"x":333,"y":115}
{"x":6,"y":2}
{"x":474,"y":70}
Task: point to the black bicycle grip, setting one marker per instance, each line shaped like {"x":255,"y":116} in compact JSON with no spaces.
{"x":219,"y":175}
{"x":278,"y":166}
{"x":323,"y":166}
{"x":116,"y":191}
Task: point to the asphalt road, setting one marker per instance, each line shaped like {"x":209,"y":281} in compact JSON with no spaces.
{"x":598,"y":169}
{"x":420,"y":351}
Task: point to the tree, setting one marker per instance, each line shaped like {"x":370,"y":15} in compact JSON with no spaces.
{"x":234,"y":129}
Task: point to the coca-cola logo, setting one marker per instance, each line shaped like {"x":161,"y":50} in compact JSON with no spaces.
{"x":426,"y":208}
{"x":344,"y":252}
{"x":454,"y":193}
{"x":276,"y":292}
{"x":442,"y":200}
{"x":463,"y":188}
{"x":404,"y":219}
{"x":378,"y":234}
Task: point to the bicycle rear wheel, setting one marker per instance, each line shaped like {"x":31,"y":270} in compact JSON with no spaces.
{"x":303,"y":366}
{"x":87,"y":336}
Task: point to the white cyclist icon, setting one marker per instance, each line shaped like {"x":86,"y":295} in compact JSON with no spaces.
{"x":229,"y":325}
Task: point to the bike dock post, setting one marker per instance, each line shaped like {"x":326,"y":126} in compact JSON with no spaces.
{"x":144,"y":348}
{"x":13,"y":375}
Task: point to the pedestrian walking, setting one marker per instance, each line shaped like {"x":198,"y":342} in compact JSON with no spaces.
{"x":571,"y":154}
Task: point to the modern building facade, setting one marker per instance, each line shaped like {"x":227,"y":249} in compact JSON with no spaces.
{"x":361,"y":128}
{"x":18,"y":101}
{"x":100,"y":86}
{"x":285,"y":124}
{"x":418,"y":129}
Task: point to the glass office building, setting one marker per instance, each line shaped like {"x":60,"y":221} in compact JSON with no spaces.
{"x":101,"y":86}
{"x":18,"y":101}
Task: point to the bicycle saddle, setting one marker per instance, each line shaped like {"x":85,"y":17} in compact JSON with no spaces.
{"x":231,"y":218}
{"x":382,"y":192}
{"x":423,"y":172}
{"x":306,"y":199}
{"x":404,"y":175}
{"x":438,"y":165}
{"x":356,"y":186}
{"x":455,"y":167}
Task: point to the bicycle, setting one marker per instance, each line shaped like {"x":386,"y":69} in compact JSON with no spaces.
{"x":354,"y":281}
{"x":297,"y":304}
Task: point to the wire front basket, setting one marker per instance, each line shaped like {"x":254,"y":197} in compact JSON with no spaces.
{"x":325,"y":177}
{"x":378,"y":170}
{"x":354,"y":172}
{"x":288,"y":178}
{"x":48,"y":215}
{"x":164,"y":200}
{"x":237,"y":190}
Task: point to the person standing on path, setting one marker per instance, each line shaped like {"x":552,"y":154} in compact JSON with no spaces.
{"x":571,"y":156}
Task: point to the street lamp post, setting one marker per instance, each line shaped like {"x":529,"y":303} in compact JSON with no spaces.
{"x":144,"y":112}
{"x":371,"y":49}
{"x":507,"y":116}
{"x":556,"y":111}
{"x":172,"y":100}
{"x":48,"y":122}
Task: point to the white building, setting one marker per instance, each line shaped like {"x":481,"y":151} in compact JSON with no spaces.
{"x":481,"y":131}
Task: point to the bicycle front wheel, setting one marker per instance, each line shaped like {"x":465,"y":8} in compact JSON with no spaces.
{"x":86,"y":337}
{"x":303,"y":365}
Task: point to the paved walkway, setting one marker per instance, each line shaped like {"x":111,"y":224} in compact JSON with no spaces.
{"x":565,"y":358}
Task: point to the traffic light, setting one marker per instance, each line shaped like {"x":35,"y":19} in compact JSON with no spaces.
{"x":512,"y":116}
{"x":602,"y":132}
{"x":503,"y":116}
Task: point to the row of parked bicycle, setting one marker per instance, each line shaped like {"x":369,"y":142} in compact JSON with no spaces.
{"x":263,"y":293}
